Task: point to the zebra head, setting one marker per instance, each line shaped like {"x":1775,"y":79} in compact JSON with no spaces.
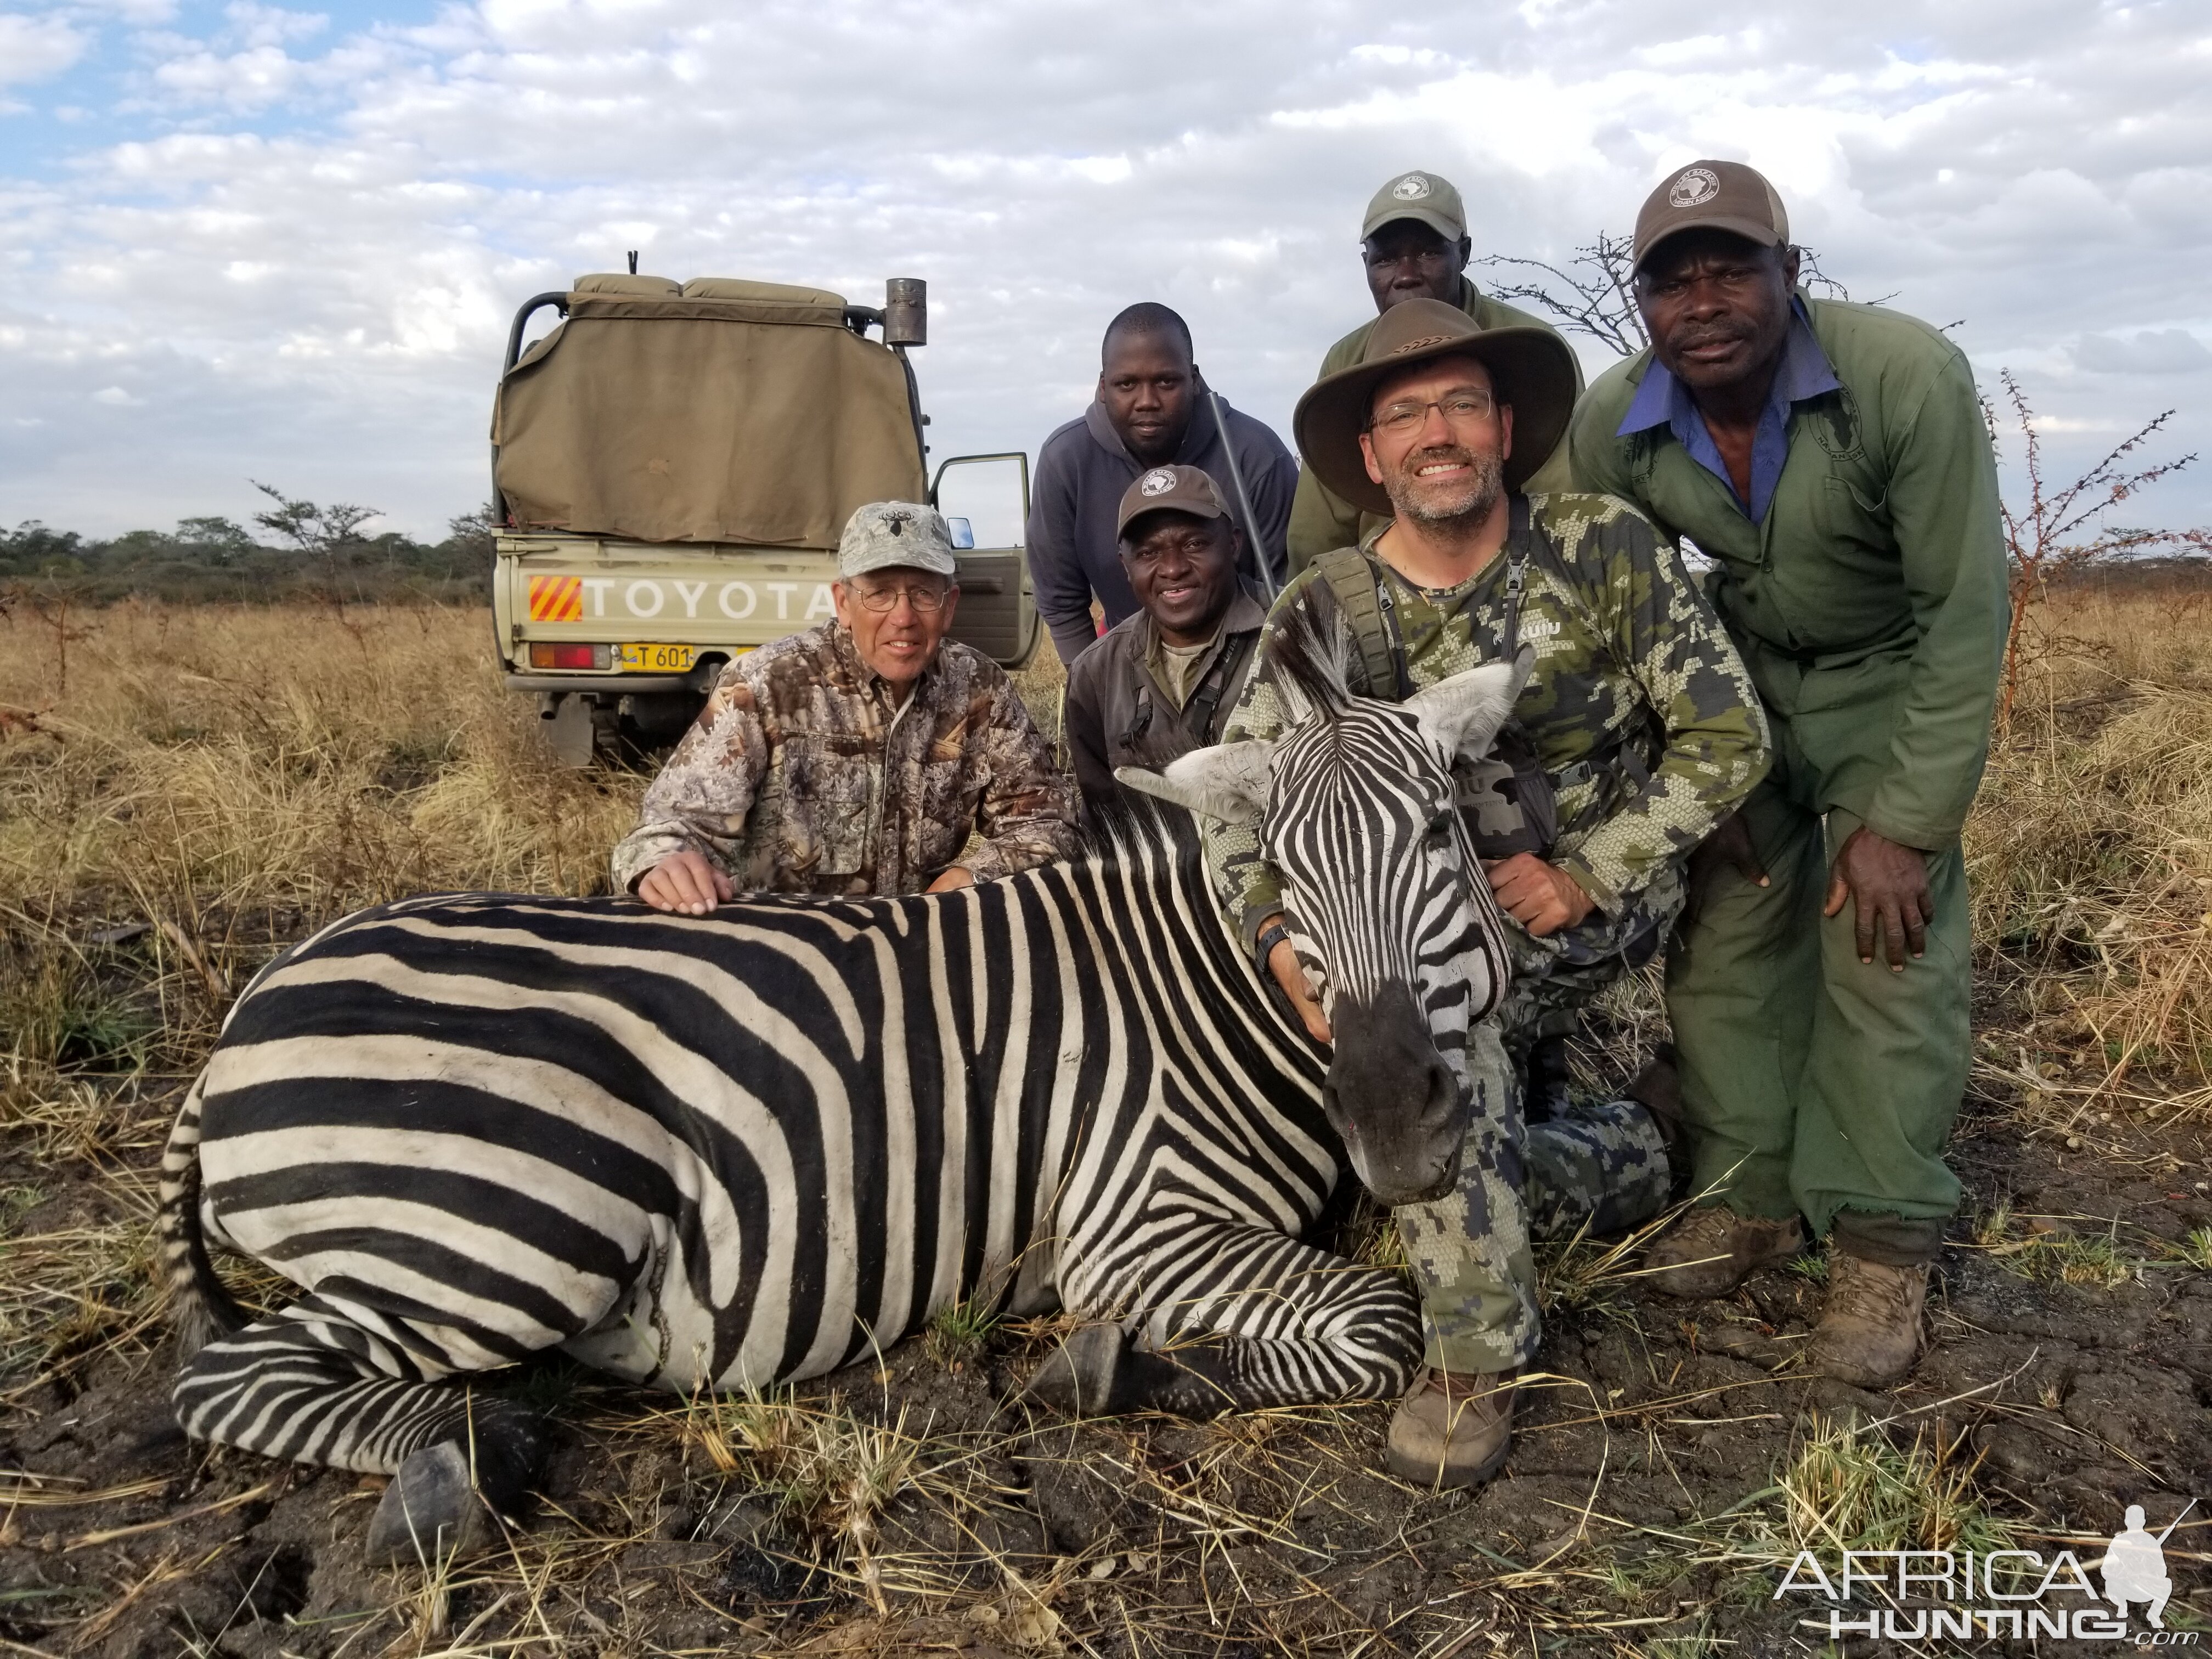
{"x":1355,"y":805}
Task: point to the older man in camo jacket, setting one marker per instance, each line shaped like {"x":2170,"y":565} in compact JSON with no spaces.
{"x":1636,"y":733}
{"x":859,"y":756}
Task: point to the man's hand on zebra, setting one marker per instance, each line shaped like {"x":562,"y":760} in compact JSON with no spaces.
{"x":686,"y":883}
{"x":1541,"y":896}
{"x":1290,"y":973}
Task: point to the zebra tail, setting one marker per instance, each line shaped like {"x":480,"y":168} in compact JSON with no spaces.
{"x":200,"y":1310}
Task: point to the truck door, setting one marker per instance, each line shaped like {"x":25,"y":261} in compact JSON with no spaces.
{"x":986,"y":499}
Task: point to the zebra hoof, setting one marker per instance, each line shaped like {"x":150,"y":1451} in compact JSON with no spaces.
{"x":1078,"y":1379}
{"x":429,"y":1513}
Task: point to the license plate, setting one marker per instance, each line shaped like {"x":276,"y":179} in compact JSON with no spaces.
{"x":654,"y":658}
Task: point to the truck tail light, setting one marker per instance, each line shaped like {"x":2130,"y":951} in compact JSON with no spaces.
{"x":569,"y":656}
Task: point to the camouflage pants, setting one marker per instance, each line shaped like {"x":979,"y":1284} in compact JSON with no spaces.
{"x":1599,"y":1161}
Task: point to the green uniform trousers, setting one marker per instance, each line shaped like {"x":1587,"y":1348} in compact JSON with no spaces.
{"x":1602,"y":1164}
{"x":1814,"y":1082}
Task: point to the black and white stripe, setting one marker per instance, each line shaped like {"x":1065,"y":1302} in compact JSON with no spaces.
{"x":729,"y":1151}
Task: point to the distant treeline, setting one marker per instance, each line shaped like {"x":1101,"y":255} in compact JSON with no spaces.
{"x":304,"y":552}
{"x":2159,"y":573}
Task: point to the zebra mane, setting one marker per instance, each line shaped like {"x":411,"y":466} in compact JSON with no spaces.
{"x":1312,"y":664}
{"x":1135,"y":833}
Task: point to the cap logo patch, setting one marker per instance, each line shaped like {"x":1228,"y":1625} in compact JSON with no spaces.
{"x":1694,"y":187}
{"x":1411,"y":188}
{"x":1157,"y":482}
{"x":1416,"y":345}
{"x":897,"y":522}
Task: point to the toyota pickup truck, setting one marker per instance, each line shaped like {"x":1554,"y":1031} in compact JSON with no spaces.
{"x":672,"y":465}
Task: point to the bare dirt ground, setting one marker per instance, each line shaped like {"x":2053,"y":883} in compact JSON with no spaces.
{"x":208,"y":785}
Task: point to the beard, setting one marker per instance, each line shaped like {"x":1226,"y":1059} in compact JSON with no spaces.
{"x":1471,"y":496}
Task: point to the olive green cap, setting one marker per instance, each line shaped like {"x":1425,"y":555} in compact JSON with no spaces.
{"x":1423,"y":196}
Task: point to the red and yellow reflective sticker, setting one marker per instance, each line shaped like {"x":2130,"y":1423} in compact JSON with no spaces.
{"x":556,"y":598}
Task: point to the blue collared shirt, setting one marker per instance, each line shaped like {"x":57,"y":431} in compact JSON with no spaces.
{"x":1805,"y":373}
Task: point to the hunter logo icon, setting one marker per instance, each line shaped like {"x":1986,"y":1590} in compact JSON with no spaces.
{"x":897,"y":522}
{"x":1157,"y":482}
{"x":1696,"y":186}
{"x":1411,"y":188}
{"x":2135,"y":1566}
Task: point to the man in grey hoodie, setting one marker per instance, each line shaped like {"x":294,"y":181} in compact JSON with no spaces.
{"x":1152,"y":409}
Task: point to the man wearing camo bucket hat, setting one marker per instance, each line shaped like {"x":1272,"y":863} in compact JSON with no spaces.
{"x":850,"y":759}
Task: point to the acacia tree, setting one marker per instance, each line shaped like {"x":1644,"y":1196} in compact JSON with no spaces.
{"x":322,"y":531}
{"x":2058,"y":533}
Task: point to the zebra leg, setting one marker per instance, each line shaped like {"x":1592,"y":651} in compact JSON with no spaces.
{"x":329,"y":1381}
{"x":1245,"y":1318}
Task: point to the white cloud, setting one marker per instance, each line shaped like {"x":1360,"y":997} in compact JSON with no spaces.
{"x":116,"y":398}
{"x":34,"y":49}
{"x":2153,"y":351}
{"x":325,"y":305}
{"x":271,"y":26}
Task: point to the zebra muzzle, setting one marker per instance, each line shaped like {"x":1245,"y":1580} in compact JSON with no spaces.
{"x":1395,"y":1099}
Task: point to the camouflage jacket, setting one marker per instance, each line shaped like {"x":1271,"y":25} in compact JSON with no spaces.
{"x":802,"y":776}
{"x":1630,"y":660}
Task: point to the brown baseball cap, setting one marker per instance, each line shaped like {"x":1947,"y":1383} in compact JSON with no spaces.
{"x":1712,"y":196}
{"x":1185,"y":488}
{"x":1421,"y":195}
{"x":1530,"y":368}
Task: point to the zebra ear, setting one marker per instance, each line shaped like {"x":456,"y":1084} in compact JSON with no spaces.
{"x":1228,"y":781}
{"x":1464,"y":712}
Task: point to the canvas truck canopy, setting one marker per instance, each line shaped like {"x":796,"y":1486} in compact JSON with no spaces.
{"x":724,"y":412}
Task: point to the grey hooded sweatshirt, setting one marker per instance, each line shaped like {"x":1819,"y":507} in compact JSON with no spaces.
{"x":1082,"y":472}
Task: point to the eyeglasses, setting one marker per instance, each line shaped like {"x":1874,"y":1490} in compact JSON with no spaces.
{"x":924,"y":599}
{"x":1459,"y":409}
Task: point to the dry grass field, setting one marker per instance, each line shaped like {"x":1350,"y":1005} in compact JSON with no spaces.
{"x":183,"y":791}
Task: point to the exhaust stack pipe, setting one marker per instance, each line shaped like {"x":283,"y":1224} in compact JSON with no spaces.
{"x":905,"y":312}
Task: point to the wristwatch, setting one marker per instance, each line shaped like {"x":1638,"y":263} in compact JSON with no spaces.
{"x":1270,"y":936}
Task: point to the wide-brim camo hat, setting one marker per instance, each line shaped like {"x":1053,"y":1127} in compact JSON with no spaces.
{"x":1530,"y":368}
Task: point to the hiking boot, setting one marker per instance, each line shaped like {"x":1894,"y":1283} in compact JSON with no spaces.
{"x":1869,"y":1330}
{"x":1712,"y":1249}
{"x":1452,"y":1431}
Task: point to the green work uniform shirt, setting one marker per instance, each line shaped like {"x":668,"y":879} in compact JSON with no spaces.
{"x":1870,"y":600}
{"x":1322,"y":520}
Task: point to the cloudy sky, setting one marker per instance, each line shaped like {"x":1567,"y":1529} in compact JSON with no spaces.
{"x":240,"y":241}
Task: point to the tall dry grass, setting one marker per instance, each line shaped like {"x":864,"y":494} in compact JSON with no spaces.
{"x":2090,"y":851}
{"x":219,"y":757}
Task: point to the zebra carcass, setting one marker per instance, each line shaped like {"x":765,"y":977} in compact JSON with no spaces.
{"x":735,"y":1149}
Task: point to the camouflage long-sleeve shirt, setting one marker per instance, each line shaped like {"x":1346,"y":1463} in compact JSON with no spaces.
{"x":1630,"y":659}
{"x":803,"y":775}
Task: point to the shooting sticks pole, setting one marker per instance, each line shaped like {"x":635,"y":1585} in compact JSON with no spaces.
{"x":1243,"y":500}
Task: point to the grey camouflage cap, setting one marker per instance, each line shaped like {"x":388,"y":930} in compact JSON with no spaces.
{"x":884,"y":535}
